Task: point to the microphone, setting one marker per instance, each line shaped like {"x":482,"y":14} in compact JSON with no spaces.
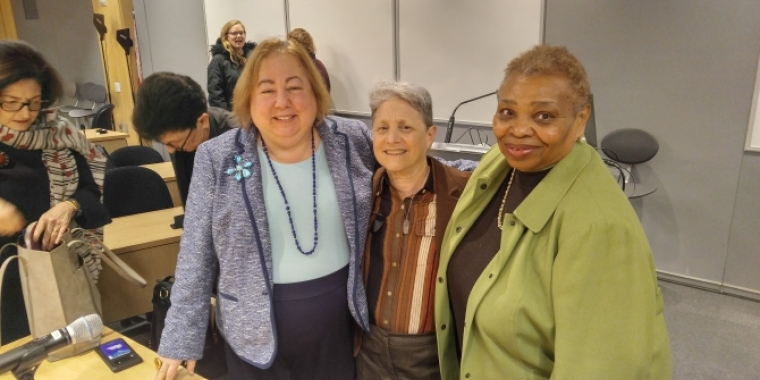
{"x":122,"y":37}
{"x":29,"y":356}
{"x":99,"y":20}
{"x":450,"y":126}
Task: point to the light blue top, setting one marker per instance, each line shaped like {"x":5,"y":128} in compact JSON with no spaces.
{"x":332,"y":253}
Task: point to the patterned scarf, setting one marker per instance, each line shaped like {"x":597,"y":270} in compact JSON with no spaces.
{"x":56,"y":137}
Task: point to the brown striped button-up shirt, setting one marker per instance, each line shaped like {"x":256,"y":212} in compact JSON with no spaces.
{"x":403,"y":260}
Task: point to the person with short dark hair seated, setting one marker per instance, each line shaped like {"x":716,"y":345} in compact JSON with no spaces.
{"x":171,"y":108}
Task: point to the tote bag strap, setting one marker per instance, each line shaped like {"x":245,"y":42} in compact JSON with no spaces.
{"x":114,"y":262}
{"x":3,"y":268}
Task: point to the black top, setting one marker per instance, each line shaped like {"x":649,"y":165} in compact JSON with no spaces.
{"x":25,"y":184}
{"x":220,"y":121}
{"x":223,"y":75}
{"x":479,"y":246}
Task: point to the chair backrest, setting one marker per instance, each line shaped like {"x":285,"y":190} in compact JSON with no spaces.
{"x":97,"y":94}
{"x":83,"y":90}
{"x":103,"y":117}
{"x":630,"y":146}
{"x":133,"y":190}
{"x":70,"y":90}
{"x":135,"y":155}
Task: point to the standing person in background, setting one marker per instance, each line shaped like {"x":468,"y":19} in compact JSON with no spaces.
{"x":304,"y":38}
{"x":171,"y":108}
{"x":49,"y":172}
{"x":228,"y":57}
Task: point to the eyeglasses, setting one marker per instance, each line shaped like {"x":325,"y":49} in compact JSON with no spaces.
{"x":181,"y":147}
{"x":14,"y":106}
{"x":236,"y":34}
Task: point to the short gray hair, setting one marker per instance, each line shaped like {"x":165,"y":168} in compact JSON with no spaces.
{"x":415,"y":95}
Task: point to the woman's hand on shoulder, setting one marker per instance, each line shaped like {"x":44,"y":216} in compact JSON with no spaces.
{"x":53,"y":224}
{"x":11,"y":219}
{"x":169,"y":367}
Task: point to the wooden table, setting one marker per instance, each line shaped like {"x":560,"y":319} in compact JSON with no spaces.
{"x":166,"y":171}
{"x":111,"y":140}
{"x":90,"y":366}
{"x":148,"y":244}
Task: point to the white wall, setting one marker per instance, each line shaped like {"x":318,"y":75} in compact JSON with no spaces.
{"x":172,"y":37}
{"x":262,"y":18}
{"x":65,"y":35}
{"x":355,"y":42}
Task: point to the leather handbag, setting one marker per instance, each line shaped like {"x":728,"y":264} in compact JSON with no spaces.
{"x":59,"y":287}
{"x":214,"y":362}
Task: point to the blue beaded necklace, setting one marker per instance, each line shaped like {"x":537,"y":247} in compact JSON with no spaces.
{"x":313,"y":194}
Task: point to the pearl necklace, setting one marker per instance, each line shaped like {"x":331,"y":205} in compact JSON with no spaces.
{"x":504,"y":201}
{"x":313,"y":194}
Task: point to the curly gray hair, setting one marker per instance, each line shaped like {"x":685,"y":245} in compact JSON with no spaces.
{"x":415,"y":95}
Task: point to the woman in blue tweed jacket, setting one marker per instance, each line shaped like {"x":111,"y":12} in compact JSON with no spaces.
{"x":281,"y":205}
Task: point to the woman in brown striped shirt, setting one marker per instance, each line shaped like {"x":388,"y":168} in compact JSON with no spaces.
{"x":414,"y":198}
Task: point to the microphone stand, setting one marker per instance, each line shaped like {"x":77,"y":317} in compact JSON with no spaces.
{"x":450,"y":125}
{"x":122,"y":37}
{"x":98,"y":20}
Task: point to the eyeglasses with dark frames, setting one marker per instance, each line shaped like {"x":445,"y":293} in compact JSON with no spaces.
{"x":236,"y":34}
{"x":15,"y":106}
{"x":181,"y":148}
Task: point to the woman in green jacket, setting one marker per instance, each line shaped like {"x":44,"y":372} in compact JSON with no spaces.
{"x":545,"y":271}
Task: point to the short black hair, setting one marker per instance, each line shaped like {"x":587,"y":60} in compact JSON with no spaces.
{"x":167,"y":102}
{"x":19,"y":60}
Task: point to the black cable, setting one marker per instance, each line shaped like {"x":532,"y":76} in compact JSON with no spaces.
{"x":464,"y":133}
{"x":105,"y":67}
{"x":131,"y":82}
{"x":468,"y":131}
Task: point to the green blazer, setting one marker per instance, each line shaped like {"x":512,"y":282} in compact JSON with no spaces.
{"x":571,"y":294}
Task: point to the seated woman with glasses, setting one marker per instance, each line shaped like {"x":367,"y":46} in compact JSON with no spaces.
{"x":49,"y":172}
{"x":171,"y":108}
{"x":228,"y":57}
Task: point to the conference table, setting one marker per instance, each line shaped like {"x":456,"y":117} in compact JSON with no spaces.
{"x":110,"y":140}
{"x":89,"y":366}
{"x":166,"y":171}
{"x":148,"y":244}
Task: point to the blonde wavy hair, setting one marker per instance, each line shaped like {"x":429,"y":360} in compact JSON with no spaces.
{"x":304,"y":38}
{"x":246,"y":85}
{"x":234,"y":56}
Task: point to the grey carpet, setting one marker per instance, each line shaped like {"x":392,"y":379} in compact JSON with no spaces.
{"x":712,"y":336}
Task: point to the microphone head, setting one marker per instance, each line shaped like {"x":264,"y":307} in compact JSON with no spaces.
{"x":85,"y":328}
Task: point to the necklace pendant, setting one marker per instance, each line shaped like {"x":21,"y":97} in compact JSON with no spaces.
{"x":406,"y":226}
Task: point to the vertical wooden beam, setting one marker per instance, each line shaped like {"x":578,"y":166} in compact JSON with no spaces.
{"x":7,"y":23}
{"x":118,"y":15}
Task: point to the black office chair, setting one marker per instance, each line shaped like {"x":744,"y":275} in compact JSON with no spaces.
{"x":132,"y":190}
{"x":630,"y":146}
{"x":135,"y":155}
{"x":103,"y":117}
{"x":625,"y":148}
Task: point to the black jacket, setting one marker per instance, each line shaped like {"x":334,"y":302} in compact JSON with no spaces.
{"x":223,"y":75}
{"x":220,"y":121}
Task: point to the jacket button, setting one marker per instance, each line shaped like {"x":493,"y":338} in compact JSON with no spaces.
{"x":483,"y":186}
{"x":467,"y":375}
{"x":443,"y":327}
{"x":440,"y":279}
{"x":459,"y":229}
{"x":511,"y":222}
{"x":490,"y":275}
